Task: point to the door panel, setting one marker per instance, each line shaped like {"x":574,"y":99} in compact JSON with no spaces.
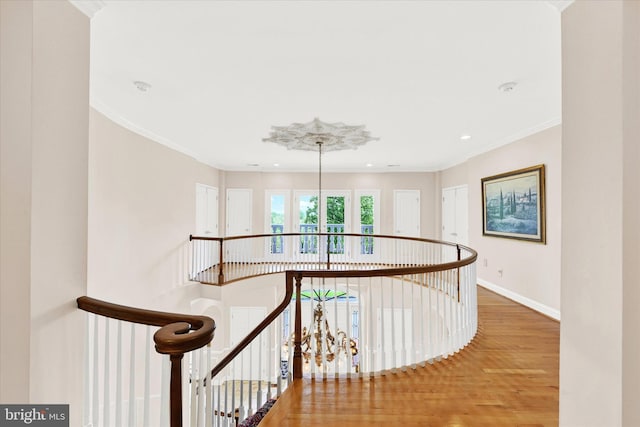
{"x":239,"y":209}
{"x":206,"y":225}
{"x":455,"y":222}
{"x":406,"y":216}
{"x":251,"y":364}
{"x":335,"y":212}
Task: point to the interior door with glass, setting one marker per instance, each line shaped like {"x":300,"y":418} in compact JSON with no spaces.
{"x":367,"y":222}
{"x":334,"y":215}
{"x":278,"y":213}
{"x":336,"y":211}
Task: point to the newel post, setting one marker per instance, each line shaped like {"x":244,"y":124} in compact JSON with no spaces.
{"x":328,"y":252}
{"x":297,"y":341}
{"x":221,"y":264}
{"x":175,"y":414}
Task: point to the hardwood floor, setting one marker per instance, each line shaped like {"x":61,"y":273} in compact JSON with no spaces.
{"x":507,"y":376}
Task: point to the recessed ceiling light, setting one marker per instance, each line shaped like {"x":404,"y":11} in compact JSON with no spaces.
{"x":276,"y":164}
{"x":392,"y":166}
{"x":369,"y":165}
{"x":507,"y":87}
{"x":465,"y":137}
{"x":142,"y":86}
{"x":253,"y":164}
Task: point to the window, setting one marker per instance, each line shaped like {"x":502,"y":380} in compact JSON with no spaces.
{"x":308,"y":223}
{"x":277,"y":208}
{"x":335,"y":212}
{"x":277,"y":223}
{"x":368,"y":206}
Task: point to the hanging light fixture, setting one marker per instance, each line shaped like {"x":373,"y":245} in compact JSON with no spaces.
{"x":322,"y":137}
{"x":319,"y":336}
{"x":318,"y":341}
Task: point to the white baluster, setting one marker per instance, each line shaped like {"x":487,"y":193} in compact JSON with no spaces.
{"x":359,"y":338}
{"x":86,"y":402}
{"x":233,"y":389}
{"x":208,"y":414}
{"x":164,"y":393}
{"x":430,"y":317}
{"x":147,"y":377}
{"x":348,"y":327}
{"x":105,"y":398}
{"x":383,"y":350}
{"x":422,"y":355}
{"x":119,"y":375}
{"x":292,"y":316}
{"x":95,"y":413}
{"x":394,"y":362}
{"x":404,"y":326}
{"x":372,"y":351}
{"x":336,"y":367}
{"x":312,"y":348}
{"x":200,"y":381}
{"x":132,"y":376}
{"x":193,"y":384}
{"x":412,"y":354}
{"x":219,"y":408}
{"x":259,"y":401}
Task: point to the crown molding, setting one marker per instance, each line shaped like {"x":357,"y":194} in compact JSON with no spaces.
{"x":88,"y":7}
{"x":559,"y":5}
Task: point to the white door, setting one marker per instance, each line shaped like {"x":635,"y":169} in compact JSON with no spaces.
{"x":406,"y":213}
{"x":206,"y":210}
{"x":239,"y":207}
{"x":251,"y":364}
{"x":205,"y":252}
{"x":455,"y":221}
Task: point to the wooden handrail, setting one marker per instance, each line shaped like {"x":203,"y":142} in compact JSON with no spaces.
{"x":394,"y":271}
{"x":382,"y":236}
{"x":178,"y":334}
{"x":258,"y":329}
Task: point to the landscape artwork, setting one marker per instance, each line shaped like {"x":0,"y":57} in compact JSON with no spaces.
{"x":513,"y":205}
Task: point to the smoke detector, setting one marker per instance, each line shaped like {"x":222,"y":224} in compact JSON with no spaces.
{"x":507,"y":87}
{"x":142,"y":86}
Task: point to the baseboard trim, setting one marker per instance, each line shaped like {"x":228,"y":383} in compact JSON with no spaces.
{"x":528,"y":302}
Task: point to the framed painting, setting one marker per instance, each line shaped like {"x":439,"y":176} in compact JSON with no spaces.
{"x":513,"y":205}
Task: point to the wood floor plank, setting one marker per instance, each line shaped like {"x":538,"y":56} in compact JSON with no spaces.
{"x":507,"y":376}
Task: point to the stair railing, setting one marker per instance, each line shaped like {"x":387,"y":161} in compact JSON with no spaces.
{"x":434,"y":283}
{"x":178,"y":334}
{"x":392,"y":272}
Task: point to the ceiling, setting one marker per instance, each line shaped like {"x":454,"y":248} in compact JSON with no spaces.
{"x":418,"y":75}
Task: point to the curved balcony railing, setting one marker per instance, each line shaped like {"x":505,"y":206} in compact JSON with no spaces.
{"x":391,"y":304}
{"x":400,"y":303}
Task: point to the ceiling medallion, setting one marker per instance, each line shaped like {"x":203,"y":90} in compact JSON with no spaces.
{"x":331,"y":136}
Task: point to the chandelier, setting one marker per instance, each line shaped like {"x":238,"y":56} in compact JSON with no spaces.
{"x":319,"y":344}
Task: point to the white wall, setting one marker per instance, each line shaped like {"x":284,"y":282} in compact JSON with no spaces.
{"x":45,"y":96}
{"x":141,"y":212}
{"x":386,"y":183}
{"x":530,"y":271}
{"x":599,"y":341}
{"x":15,"y":198}
{"x":631,"y":215}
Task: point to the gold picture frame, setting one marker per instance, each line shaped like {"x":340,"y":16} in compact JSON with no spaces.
{"x":513,"y":205}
